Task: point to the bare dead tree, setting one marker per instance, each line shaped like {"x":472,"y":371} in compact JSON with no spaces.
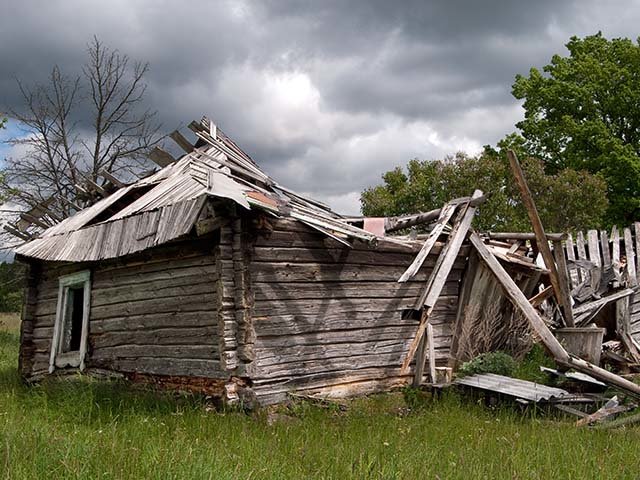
{"x":73,"y":128}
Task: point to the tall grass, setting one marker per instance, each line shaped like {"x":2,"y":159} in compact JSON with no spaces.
{"x":79,"y":428}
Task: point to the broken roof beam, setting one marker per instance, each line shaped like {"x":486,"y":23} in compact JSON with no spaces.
{"x":107,"y":176}
{"x":181,"y":141}
{"x":393,"y":224}
{"x":161,"y":157}
{"x":34,"y":220}
{"x":558,"y":281}
{"x":525,"y":236}
{"x":518,"y":299}
{"x":17,"y":233}
{"x":437,"y":279}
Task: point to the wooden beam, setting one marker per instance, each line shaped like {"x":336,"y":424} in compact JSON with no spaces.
{"x":560,"y":286}
{"x":17,"y":233}
{"x":438,"y":277}
{"x":540,"y":297}
{"x":35,"y":220}
{"x":585,"y":307}
{"x":107,"y":176}
{"x":524,"y":236}
{"x":181,"y":141}
{"x":445,"y":214}
{"x":161,"y":157}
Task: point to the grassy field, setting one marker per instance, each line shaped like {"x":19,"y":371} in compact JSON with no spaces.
{"x":87,"y":429}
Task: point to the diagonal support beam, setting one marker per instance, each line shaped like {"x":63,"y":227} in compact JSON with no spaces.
{"x":560,"y":285}
{"x":437,"y":279}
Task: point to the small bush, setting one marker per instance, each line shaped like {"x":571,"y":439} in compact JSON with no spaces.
{"x":494,"y":362}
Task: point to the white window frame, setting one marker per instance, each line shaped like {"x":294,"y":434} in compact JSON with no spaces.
{"x":73,"y":359}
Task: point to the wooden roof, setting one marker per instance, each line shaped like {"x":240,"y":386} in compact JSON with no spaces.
{"x":167,"y":204}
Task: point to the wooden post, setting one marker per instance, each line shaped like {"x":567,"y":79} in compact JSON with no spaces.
{"x":631,"y":261}
{"x":560,"y":287}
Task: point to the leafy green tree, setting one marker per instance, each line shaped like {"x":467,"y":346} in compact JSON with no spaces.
{"x":11,"y":286}
{"x":581,"y":112}
{"x":566,"y":200}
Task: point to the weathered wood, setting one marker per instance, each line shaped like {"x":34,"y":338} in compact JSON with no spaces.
{"x":446,"y":213}
{"x":631,"y":261}
{"x":161,"y":157}
{"x":636,"y":227}
{"x":181,"y":141}
{"x":439,"y":275}
{"x":552,"y":237}
{"x":585,"y":307}
{"x":518,"y":298}
{"x":623,"y":327}
{"x":604,"y":247}
{"x":594,"y":248}
{"x":576,"y":275}
{"x":540,"y":297}
{"x":162,"y":366}
{"x":560,"y":286}
{"x":563,"y":276}
{"x":468,"y":281}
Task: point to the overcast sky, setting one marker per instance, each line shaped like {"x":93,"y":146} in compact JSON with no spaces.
{"x":325,"y":95}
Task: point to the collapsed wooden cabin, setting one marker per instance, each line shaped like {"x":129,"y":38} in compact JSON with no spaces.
{"x":210,"y":276}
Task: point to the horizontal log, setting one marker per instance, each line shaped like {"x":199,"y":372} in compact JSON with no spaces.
{"x":181,"y":303}
{"x":285,"y":272}
{"x":364,"y":335}
{"x":164,"y":336}
{"x":331,"y":255}
{"x":174,"y":352}
{"x":291,"y":324}
{"x":103,"y":297}
{"x":202,"y":318}
{"x":525,"y":236}
{"x":343,"y":364}
{"x":321,"y":307}
{"x":347,"y":290}
{"x":162,"y":366}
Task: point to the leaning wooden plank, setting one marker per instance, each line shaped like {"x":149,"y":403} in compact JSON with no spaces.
{"x":604,"y":246}
{"x":439,"y":275}
{"x":432,"y":353}
{"x":524,"y":236}
{"x":586,"y":307}
{"x":560,"y":286}
{"x":445,"y":215}
{"x":623,"y":326}
{"x":631,"y":261}
{"x":552,"y":344}
{"x":604,"y":413}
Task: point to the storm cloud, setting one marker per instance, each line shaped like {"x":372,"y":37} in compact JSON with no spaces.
{"x":325,"y":95}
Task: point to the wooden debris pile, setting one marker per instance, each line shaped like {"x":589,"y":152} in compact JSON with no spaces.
{"x":573,"y":287}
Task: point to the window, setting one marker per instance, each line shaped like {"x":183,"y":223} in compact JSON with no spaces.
{"x":70,"y":332}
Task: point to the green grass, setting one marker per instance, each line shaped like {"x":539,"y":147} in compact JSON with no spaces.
{"x":80,"y":428}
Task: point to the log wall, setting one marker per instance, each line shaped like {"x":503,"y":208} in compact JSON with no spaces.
{"x":154,"y":313}
{"x":635,"y":317}
{"x":329,"y":319}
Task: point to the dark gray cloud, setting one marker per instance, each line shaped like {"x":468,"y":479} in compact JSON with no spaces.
{"x":325,"y":95}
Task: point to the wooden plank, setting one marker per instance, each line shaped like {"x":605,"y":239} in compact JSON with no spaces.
{"x":615,"y":254}
{"x":631,"y":261}
{"x":161,"y":157}
{"x":432,"y":353}
{"x":438,"y":276}
{"x":585,"y":307}
{"x":623,"y":328}
{"x":525,"y":236}
{"x":181,"y":141}
{"x":445,"y":216}
{"x":594,"y":248}
{"x":604,"y":246}
{"x":563,"y":274}
{"x":560,"y":286}
{"x":540,"y":297}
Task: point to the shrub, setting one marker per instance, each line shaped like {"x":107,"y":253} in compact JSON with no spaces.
{"x":494,"y":362}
